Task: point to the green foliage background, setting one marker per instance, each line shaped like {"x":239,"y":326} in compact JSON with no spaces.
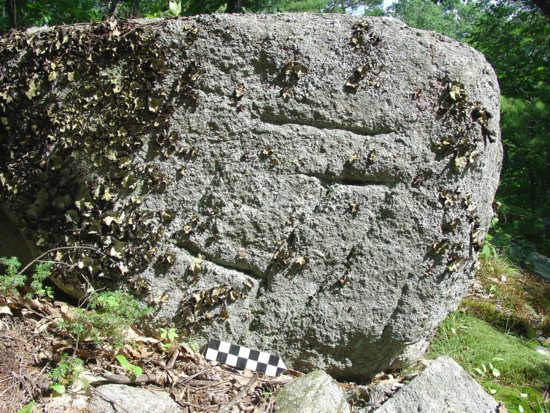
{"x":514,"y":35}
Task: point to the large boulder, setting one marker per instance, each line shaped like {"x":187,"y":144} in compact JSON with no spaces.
{"x":312,"y":185}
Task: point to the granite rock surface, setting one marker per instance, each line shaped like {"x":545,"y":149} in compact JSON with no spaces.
{"x":312,"y":185}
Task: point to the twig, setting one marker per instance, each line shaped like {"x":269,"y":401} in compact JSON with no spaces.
{"x":184,"y":403}
{"x":204,"y":383}
{"x":12,"y":385}
{"x":173,"y":359}
{"x":121,"y":379}
{"x":189,"y":378}
{"x":244,"y":391}
{"x":26,"y":267}
{"x":22,"y":379}
{"x":32,"y":310}
{"x":88,"y":283}
{"x":130,"y":31}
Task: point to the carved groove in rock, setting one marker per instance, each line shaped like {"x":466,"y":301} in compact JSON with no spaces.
{"x":271,"y":119}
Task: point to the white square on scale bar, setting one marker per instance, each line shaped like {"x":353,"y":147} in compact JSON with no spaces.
{"x":211,"y":354}
{"x":271,"y":371}
{"x":224,"y":347}
{"x":244,"y":352}
{"x":264,"y":357}
{"x":252,"y":365}
{"x":231,"y":360}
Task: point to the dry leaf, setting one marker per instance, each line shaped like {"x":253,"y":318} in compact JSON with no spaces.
{"x":197,"y":264}
{"x":5,"y":310}
{"x":301,"y":261}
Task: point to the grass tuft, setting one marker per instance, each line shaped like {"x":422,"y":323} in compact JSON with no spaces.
{"x":513,"y":301}
{"x":504,"y":364}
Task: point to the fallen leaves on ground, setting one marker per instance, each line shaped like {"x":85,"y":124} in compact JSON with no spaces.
{"x":32,"y":344}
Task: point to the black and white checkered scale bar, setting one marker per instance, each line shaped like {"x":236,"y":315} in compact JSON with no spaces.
{"x":242,"y":358}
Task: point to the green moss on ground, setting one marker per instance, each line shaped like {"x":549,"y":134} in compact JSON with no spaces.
{"x":505,"y":365}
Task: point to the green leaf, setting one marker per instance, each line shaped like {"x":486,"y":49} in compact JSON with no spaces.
{"x":58,"y":388}
{"x":123,"y":361}
{"x":172,"y":335}
{"x":136,"y":371}
{"x":28,"y":408}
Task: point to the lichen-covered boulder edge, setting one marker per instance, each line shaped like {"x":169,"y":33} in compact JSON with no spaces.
{"x":312,"y":185}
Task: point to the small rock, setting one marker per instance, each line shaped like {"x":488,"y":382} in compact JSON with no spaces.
{"x":545,"y":351}
{"x":376,"y":394}
{"x":541,"y":264}
{"x":133,"y":399}
{"x":443,"y":387}
{"x":316,"y":392}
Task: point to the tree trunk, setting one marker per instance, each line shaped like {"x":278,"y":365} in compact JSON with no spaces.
{"x":234,"y":6}
{"x":112,"y":9}
{"x":14,"y":10}
{"x":134,"y":9}
{"x":543,"y":6}
{"x":533,"y":192}
{"x":11,"y":11}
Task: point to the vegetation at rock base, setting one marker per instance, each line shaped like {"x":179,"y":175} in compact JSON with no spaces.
{"x":77,"y":343}
{"x":54,"y":352}
{"x":509,"y":299}
{"x":14,"y":278}
{"x":67,"y":372}
{"x":106,"y":319}
{"x":505,"y":365}
{"x":493,"y":335}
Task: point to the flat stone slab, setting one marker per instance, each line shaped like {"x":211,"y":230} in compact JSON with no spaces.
{"x":443,"y":387}
{"x":131,"y":399}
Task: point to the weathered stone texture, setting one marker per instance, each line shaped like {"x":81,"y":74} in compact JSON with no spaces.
{"x":443,"y":387}
{"x":316,"y":392}
{"x":112,"y":398}
{"x":335,"y":175}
